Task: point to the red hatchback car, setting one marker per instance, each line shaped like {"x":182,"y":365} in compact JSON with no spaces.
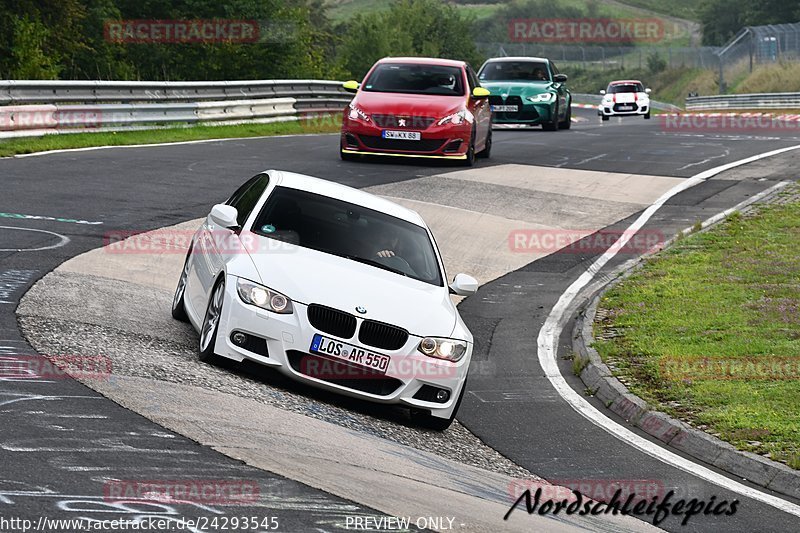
{"x":418,"y":107}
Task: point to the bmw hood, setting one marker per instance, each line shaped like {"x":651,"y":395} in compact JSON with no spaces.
{"x":308,"y":276}
{"x":517,"y":89}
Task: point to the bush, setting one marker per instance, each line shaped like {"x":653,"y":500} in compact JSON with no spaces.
{"x":408,"y":28}
{"x":656,"y":63}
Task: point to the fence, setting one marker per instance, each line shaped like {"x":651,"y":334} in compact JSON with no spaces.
{"x":36,"y":107}
{"x":744,"y":101}
{"x":608,"y":57}
{"x":757,"y":45}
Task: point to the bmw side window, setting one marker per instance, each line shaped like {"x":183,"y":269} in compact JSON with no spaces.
{"x":241,"y":190}
{"x":246,"y":197}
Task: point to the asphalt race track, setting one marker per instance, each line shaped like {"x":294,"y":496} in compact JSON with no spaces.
{"x":61,"y":439}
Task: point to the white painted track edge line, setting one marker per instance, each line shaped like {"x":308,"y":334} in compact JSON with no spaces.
{"x":152,"y":145}
{"x":551,"y":331}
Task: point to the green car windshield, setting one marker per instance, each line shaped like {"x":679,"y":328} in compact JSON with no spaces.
{"x":515,"y":71}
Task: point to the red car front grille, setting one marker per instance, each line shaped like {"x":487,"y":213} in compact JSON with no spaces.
{"x":401,"y":121}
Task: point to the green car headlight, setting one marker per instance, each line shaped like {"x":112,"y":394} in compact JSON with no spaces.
{"x":542,"y":98}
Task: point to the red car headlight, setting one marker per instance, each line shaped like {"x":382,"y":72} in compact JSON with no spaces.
{"x":457,"y":118}
{"x":356,"y":113}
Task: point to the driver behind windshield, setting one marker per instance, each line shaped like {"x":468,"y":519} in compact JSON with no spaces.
{"x":387,"y":243}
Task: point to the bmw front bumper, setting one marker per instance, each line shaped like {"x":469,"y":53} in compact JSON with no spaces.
{"x":283,"y":342}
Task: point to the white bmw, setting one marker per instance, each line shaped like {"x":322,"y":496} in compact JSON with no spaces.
{"x":331,"y":286}
{"x":625,"y":98}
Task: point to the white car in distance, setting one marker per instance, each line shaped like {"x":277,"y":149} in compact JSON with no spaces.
{"x":331,"y":286}
{"x":625,"y":98}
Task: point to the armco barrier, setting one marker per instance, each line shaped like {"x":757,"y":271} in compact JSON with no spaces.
{"x":29,"y":108}
{"x":744,"y":101}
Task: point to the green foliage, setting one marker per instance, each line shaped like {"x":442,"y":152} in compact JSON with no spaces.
{"x":495,"y":29}
{"x":47,"y":38}
{"x":722,"y":19}
{"x":408,"y":28}
{"x":29,"y":60}
{"x":656,"y":63}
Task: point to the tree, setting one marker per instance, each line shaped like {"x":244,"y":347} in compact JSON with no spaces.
{"x":408,"y":28}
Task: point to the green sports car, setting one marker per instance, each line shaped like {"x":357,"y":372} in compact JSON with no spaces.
{"x":527,"y":90}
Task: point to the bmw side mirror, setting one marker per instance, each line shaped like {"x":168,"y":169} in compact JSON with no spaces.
{"x":351,"y":86}
{"x":560,"y":78}
{"x":225,"y":216}
{"x":464,"y":285}
{"x":480,"y":92}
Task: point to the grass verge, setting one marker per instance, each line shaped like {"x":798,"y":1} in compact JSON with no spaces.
{"x":27,"y":145}
{"x":709,"y":331}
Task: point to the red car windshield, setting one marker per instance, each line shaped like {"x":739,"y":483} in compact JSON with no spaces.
{"x":415,"y":79}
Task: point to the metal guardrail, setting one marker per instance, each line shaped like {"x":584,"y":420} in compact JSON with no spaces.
{"x":596,"y":99}
{"x":29,"y":108}
{"x":744,"y":101}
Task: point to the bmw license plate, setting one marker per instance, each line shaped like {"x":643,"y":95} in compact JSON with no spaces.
{"x":505,"y":108}
{"x":347,"y":352}
{"x":402,"y":135}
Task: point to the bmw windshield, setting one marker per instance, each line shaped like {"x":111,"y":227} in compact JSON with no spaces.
{"x":347,"y":230}
{"x":514,"y":71}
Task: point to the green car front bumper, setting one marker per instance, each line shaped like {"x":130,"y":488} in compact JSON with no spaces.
{"x":526,"y":113}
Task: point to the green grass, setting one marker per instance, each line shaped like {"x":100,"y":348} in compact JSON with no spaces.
{"x":26,"y":145}
{"x":731,"y":295}
{"x":685,"y":9}
{"x":775,"y":78}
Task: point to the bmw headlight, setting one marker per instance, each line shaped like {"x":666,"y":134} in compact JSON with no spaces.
{"x":542,"y":97}
{"x":457,"y":118}
{"x":449,"y":349}
{"x":356,"y":113}
{"x":263,"y":297}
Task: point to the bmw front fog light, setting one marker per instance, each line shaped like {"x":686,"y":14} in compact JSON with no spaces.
{"x":263,"y":297}
{"x":449,"y":349}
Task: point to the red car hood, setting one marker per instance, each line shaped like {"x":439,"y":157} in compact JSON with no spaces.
{"x":423,"y":105}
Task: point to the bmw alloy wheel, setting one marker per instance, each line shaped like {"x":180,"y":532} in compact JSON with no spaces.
{"x":208,"y":333}
{"x":178,"y":310}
